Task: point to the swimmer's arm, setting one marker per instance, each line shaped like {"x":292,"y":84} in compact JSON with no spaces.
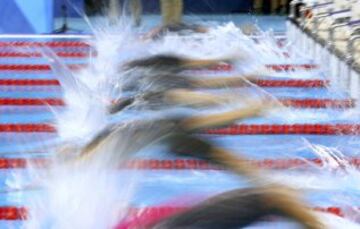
{"x":225,"y":118}
{"x":289,"y":204}
{"x":194,"y":98}
{"x":219,"y":82}
{"x":203,"y":63}
{"x":99,"y":140}
{"x":236,"y":163}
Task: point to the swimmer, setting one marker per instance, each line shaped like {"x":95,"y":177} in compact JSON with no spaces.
{"x":173,"y":63}
{"x":165,"y":82}
{"x":169,"y":94}
{"x":241,"y":208}
{"x":177,"y":133}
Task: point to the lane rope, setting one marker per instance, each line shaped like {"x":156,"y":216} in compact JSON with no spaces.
{"x":296,"y":103}
{"x":184,"y":164}
{"x":62,"y":54}
{"x":52,"y":44}
{"x":11,"y":213}
{"x":261,"y":82}
{"x":220,"y":67}
{"x":241,"y":129}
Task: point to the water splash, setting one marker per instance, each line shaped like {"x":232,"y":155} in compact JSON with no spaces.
{"x":88,"y":196}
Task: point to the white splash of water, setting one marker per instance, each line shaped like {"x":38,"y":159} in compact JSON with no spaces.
{"x":91,"y":194}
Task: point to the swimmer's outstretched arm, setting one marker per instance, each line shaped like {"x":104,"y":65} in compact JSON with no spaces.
{"x":289,"y":204}
{"x":195,"y":98}
{"x":225,"y":118}
{"x":240,"y":208}
{"x":223,"y":82}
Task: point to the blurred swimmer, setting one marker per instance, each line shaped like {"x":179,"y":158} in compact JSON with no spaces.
{"x":240,"y":207}
{"x":169,"y":91}
{"x":237,"y":209}
{"x":165,"y":83}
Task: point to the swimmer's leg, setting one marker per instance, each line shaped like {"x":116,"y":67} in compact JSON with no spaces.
{"x":136,"y":11}
{"x":178,"y":10}
{"x":114,"y":11}
{"x":171,"y":11}
{"x":241,"y":208}
{"x":258,"y":6}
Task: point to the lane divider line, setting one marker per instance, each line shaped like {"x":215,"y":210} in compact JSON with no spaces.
{"x":11,"y":213}
{"x":297,"y":83}
{"x":296,"y":103}
{"x":184,"y":164}
{"x":220,"y":67}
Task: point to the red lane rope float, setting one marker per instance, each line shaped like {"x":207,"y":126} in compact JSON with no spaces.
{"x":52,"y":44}
{"x":13,"y":213}
{"x":261,"y":83}
{"x":319,"y":103}
{"x":31,"y":102}
{"x":219,"y":67}
{"x":45,"y":67}
{"x":291,"y":67}
{"x":38,"y":54}
{"x":194,"y":164}
{"x":293,"y":83}
{"x":35,"y":67}
{"x":29,"y":82}
{"x":297,"y":103}
{"x":21,"y":213}
{"x":27,"y":128}
{"x":241,"y":129}
{"x":182,"y":164}
{"x":312,"y":129}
